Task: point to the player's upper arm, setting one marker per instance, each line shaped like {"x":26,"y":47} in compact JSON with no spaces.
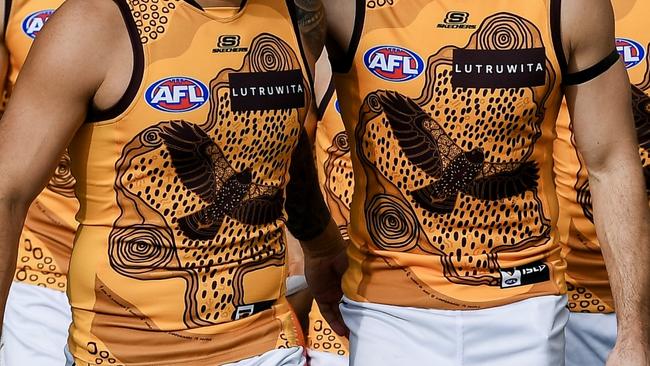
{"x":65,"y":67}
{"x":599,"y":101}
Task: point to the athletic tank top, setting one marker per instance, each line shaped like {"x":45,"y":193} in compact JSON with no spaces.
{"x":452,"y":106}
{"x":587,"y":281}
{"x":180,"y":257}
{"x":333,"y":161}
{"x":337,"y":183}
{"x":46,"y":240}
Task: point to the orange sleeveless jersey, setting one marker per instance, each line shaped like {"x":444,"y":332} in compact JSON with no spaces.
{"x":452,"y":106}
{"x":587,"y":281}
{"x":180,"y":257}
{"x":337,"y":183}
{"x":46,"y":240}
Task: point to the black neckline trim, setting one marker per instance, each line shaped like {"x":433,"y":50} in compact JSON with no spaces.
{"x":345,"y":64}
{"x":95,"y":115}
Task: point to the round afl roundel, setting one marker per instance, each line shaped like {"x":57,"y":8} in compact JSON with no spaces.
{"x":393,"y":63}
{"x":35,"y":22}
{"x":631,"y":51}
{"x":177,"y":94}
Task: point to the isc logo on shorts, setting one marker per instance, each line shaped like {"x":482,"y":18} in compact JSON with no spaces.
{"x":631,"y":51}
{"x":392,"y":63}
{"x":177,"y":94}
{"x":35,"y":22}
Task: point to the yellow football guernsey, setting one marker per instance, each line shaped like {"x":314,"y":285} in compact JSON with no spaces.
{"x":337,"y":183}
{"x":180,"y":253}
{"x":451,"y":109}
{"x":587,"y":281}
{"x":46,"y":240}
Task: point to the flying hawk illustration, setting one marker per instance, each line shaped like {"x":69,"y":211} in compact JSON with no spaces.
{"x":203,"y":169}
{"x":427,"y":146}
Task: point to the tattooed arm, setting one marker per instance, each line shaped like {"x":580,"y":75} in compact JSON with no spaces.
{"x":311,"y":20}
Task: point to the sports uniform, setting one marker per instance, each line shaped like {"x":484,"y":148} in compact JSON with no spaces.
{"x":591,"y":330}
{"x":454,"y":210}
{"x":325,"y":347}
{"x":37,"y":303}
{"x":180,"y":256}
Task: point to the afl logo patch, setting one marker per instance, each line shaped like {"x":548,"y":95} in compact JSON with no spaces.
{"x":393,"y":63}
{"x":35,"y":22}
{"x":631,"y":51}
{"x":177,"y":94}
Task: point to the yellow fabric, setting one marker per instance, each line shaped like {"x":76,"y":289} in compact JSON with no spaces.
{"x":334,"y":166}
{"x":46,"y":240}
{"x":586,"y":274}
{"x":477,"y":155}
{"x":181,"y":230}
{"x":337,"y":183}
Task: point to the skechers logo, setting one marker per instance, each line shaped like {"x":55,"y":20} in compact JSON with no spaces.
{"x":525,"y":275}
{"x":499,"y":68}
{"x":259,"y":91}
{"x":631,"y":51}
{"x":456,"y":20}
{"x":177,"y":94}
{"x":393,"y":63}
{"x":229,"y":43}
{"x":35,"y":22}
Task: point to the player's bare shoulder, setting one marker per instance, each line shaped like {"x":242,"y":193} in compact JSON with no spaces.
{"x":587,"y":31}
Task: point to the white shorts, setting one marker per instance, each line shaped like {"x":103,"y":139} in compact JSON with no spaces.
{"x":279,"y":357}
{"x":35,"y":330}
{"x":318,"y":358}
{"x":589,"y":338}
{"x":529,"y":332}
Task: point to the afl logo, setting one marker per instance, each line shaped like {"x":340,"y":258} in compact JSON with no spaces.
{"x":35,"y":22}
{"x":177,"y":94}
{"x":632,"y":52}
{"x":393,"y":63}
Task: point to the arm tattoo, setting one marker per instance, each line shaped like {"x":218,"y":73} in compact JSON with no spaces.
{"x":311,"y":20}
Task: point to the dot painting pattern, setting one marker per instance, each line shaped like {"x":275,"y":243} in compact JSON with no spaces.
{"x":502,"y":123}
{"x":152,"y":17}
{"x":184,"y":190}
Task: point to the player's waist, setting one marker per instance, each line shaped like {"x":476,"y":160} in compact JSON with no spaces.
{"x":258,"y":333}
{"x":454,"y":282}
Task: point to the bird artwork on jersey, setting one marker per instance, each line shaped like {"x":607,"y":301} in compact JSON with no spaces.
{"x":219,"y":217}
{"x":641,"y":110}
{"x":452,"y":167}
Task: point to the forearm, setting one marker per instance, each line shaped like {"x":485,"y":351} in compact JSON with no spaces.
{"x":12,"y":216}
{"x":623,"y":227}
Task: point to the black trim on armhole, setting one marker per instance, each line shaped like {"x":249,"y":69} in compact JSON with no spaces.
{"x":131,"y":91}
{"x":556,"y":35}
{"x":590,"y":73}
{"x":296,"y":28}
{"x":8,"y":4}
{"x":345,"y":63}
{"x":322,"y":107}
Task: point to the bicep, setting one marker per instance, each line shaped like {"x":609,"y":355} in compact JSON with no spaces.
{"x":48,"y":104}
{"x":600,"y":107}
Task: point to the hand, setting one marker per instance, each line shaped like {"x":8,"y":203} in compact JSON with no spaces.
{"x":629,"y":353}
{"x":324,"y":272}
